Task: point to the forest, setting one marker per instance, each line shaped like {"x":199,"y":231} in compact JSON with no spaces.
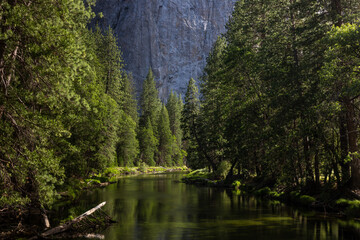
{"x":68,"y":109}
{"x":279,"y":97}
{"x":279,"y":100}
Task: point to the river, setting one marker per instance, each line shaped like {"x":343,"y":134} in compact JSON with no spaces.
{"x":160,"y":207}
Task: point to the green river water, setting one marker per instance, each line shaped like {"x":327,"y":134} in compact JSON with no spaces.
{"x":160,"y":207}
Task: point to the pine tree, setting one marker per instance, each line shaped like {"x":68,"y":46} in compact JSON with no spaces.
{"x":150,"y":107}
{"x":174,"y":107}
{"x":129,"y":101}
{"x":127,"y":146}
{"x":189,"y":120}
{"x":165,"y":139}
{"x":214,"y":97}
{"x":149,"y":102}
{"x":148,"y":144}
{"x":111,"y":60}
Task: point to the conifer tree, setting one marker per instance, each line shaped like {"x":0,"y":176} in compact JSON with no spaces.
{"x":189,"y":120}
{"x":111,"y":60}
{"x":214,"y":97}
{"x":128,"y":145}
{"x":150,"y":106}
{"x":165,"y":139}
{"x":129,"y":102}
{"x":148,"y":143}
{"x":174,"y":107}
{"x":149,"y":102}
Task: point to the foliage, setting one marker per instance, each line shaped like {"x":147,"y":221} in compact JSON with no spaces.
{"x":174,"y":106}
{"x":280,"y":94}
{"x":62,"y":99}
{"x":189,"y":119}
{"x":222,"y":169}
{"x":128,"y":145}
{"x":263,"y":192}
{"x":148,"y":143}
{"x":165,"y":139}
{"x":236,"y":184}
{"x":143,"y":167}
{"x":159,"y":132}
{"x":352,"y":207}
{"x":149,"y":102}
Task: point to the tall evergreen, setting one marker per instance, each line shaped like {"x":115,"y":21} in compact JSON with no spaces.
{"x":149,"y":101}
{"x":165,"y":139}
{"x":129,"y":102}
{"x":148,"y":144}
{"x":174,"y":107}
{"x":128,"y":145}
{"x":112,"y":63}
{"x":150,"y":107}
{"x":189,"y":118}
{"x":212,"y":127}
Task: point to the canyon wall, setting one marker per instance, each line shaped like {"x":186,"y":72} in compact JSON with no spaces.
{"x":173,"y":37}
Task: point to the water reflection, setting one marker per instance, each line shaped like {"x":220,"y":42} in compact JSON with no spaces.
{"x":159,"y":207}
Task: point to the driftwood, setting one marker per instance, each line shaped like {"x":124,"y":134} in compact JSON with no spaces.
{"x":69,"y":225}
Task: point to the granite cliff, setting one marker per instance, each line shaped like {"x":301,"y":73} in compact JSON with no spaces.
{"x":171,"y":36}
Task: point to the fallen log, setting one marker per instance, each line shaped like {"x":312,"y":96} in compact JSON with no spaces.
{"x":68,"y":226}
{"x":79,"y":236}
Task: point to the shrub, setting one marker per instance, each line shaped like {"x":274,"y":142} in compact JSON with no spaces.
{"x":111,"y":171}
{"x":306,"y":200}
{"x":275,"y":195}
{"x":143,"y":167}
{"x":223,"y":169}
{"x":351,"y":207}
{"x":263,"y":192}
{"x":236,"y":184}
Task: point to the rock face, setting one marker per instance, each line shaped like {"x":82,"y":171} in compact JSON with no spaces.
{"x":173,"y":37}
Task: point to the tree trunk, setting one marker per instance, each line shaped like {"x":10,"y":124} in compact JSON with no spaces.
{"x":309,"y":175}
{"x":345,"y":168}
{"x":317,"y":170}
{"x":68,"y":225}
{"x":352,"y":138}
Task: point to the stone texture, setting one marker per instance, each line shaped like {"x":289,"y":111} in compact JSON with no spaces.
{"x":173,"y":37}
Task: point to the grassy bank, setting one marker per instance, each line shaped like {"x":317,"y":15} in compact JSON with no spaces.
{"x":71,"y":190}
{"x":328,"y":200}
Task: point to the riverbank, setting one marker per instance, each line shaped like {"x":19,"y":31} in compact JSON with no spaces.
{"x":23,"y":221}
{"x":341,"y":203}
{"x":111,"y":175}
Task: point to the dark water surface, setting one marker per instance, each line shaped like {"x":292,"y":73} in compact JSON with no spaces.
{"x":159,"y":207}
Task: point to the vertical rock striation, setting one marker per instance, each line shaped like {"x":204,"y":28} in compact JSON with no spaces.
{"x":171,"y":36}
